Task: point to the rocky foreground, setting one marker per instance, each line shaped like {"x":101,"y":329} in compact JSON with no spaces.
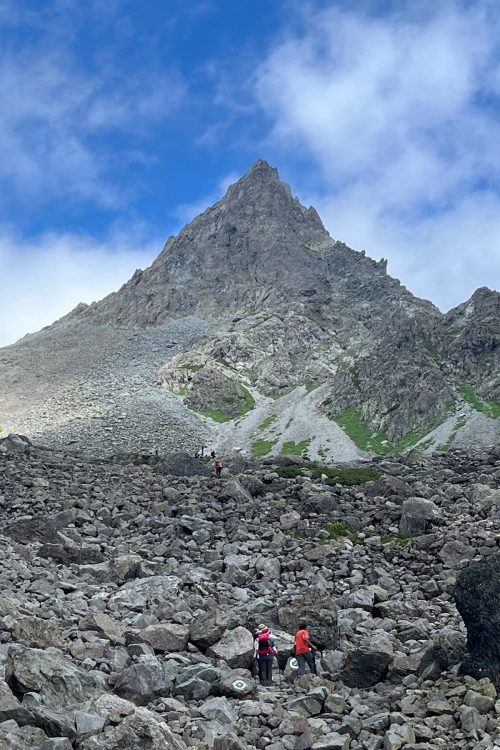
{"x":129,"y":589}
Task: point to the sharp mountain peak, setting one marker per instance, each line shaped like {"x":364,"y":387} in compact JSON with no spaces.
{"x":255,"y":294}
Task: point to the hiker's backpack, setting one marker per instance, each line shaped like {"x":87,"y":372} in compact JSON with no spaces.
{"x":264,"y":645}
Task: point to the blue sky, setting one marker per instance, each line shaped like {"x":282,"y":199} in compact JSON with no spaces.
{"x":122,"y":120}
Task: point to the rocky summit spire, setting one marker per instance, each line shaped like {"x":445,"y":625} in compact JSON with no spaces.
{"x":258,"y":239}
{"x":255,"y":294}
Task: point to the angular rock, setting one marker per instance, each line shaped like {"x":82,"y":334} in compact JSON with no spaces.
{"x":332,"y":741}
{"x":85,"y":554}
{"x":417,"y":516}
{"x":142,"y":729}
{"x":237,"y":683}
{"x":142,"y":682}
{"x":31,"y":529}
{"x":59,"y":681}
{"x":364,"y":667}
{"x":11,"y":708}
{"x":218,"y":709}
{"x":38,"y":633}
{"x":104,"y":625}
{"x":235,"y":648}
{"x":184,"y":465}
{"x":166,"y":636}
{"x":208,"y":627}
{"x":454,"y":552}
{"x":142,"y":592}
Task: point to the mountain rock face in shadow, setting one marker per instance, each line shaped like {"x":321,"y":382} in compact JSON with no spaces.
{"x":256,"y":293}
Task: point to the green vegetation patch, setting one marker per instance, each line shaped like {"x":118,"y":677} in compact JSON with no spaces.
{"x":268,"y":422}
{"x":426,"y":444}
{"x":261,"y":447}
{"x":352,"y":424}
{"x":249,"y":401}
{"x":354,"y":427}
{"x":217,"y":416}
{"x":181,"y":392}
{"x":489,"y":408}
{"x":295,"y":449}
{"x":408,"y":441}
{"x":192,"y":368}
{"x":337,"y":529}
{"x":311,"y":387}
{"x":348,"y":476}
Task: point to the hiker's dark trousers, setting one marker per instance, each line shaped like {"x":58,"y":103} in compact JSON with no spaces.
{"x":308,"y":659}
{"x":265,"y":670}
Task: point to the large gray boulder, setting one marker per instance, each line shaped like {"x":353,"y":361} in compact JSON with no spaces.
{"x":76,"y":554}
{"x":142,"y":729}
{"x":208,"y":627}
{"x":365,"y":666}
{"x":477,"y":597}
{"x":11,"y":708}
{"x":30,"y":529}
{"x":218,"y":709}
{"x":60,"y":682}
{"x":168,"y":636}
{"x":454,"y":553}
{"x":38,"y":633}
{"x":13,"y":737}
{"x":319,"y":611}
{"x":238,"y":683}
{"x":142,"y":682}
{"x":417,"y":516}
{"x":142,"y":592}
{"x":235,"y":648}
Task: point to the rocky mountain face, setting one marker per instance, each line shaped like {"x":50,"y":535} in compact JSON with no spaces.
{"x":131,"y":587}
{"x":255,"y":328}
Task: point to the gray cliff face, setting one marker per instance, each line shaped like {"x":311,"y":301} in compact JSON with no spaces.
{"x":471,"y":341}
{"x":273,"y":303}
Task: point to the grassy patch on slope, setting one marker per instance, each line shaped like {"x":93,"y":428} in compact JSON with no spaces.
{"x":268,"y":422}
{"x":376,"y":442}
{"x":345,"y":476}
{"x":350,"y":421}
{"x":290,"y":448}
{"x":489,"y":408}
{"x":217,"y":416}
{"x":261,"y":448}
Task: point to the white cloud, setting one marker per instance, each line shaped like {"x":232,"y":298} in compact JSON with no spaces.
{"x":44,"y":279}
{"x":400,"y":115}
{"x":58,"y":116}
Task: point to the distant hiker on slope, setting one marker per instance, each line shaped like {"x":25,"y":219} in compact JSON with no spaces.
{"x":217,"y":467}
{"x":304,"y":650}
{"x":265,"y":651}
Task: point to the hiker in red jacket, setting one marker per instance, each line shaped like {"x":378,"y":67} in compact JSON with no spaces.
{"x":304,"y":650}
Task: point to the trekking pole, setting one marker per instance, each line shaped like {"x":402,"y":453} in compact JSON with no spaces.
{"x":279,"y":672}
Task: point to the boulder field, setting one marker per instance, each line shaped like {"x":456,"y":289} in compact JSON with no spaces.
{"x":128,"y":595}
